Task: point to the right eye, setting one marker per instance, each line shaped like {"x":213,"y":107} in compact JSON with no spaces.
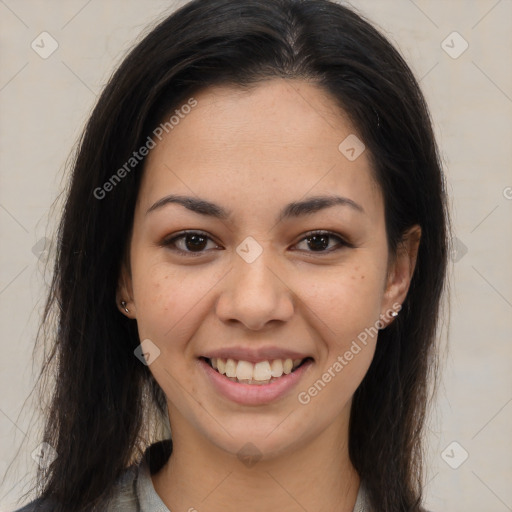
{"x":193,"y":243}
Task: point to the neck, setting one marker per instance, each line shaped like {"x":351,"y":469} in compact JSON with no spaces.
{"x":315,"y":476}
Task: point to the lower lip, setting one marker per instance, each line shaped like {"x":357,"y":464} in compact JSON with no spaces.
{"x":253,"y":394}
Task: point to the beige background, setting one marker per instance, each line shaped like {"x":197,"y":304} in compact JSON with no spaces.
{"x":44,"y":104}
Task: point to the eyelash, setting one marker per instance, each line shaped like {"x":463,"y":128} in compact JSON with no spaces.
{"x":169,"y":242}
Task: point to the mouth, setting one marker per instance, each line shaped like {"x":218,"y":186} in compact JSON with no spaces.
{"x":260,"y":373}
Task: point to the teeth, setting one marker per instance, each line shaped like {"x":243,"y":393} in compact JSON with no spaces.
{"x":230,"y":368}
{"x":244,"y":370}
{"x":277,"y":368}
{"x":261,"y":371}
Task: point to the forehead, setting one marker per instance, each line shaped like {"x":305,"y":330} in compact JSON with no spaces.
{"x":281,"y":134}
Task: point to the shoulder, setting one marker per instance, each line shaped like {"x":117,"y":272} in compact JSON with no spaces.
{"x":123,"y":497}
{"x":37,"y":505}
{"x":133,"y":489}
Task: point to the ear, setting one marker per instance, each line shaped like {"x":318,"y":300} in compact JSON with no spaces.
{"x":124,"y":291}
{"x":400,"y":272}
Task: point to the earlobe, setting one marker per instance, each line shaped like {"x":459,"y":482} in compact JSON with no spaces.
{"x":124,"y":295}
{"x":402,"y":268}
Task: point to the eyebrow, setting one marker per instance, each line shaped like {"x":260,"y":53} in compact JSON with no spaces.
{"x":291,"y":210}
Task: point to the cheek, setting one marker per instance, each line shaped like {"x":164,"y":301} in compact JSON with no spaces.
{"x":168,"y":300}
{"x":347,"y":298}
{"x":346,"y":307}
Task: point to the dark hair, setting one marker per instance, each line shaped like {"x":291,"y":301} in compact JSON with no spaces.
{"x":103,"y":396}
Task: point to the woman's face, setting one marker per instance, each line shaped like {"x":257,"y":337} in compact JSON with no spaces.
{"x":253,"y":282}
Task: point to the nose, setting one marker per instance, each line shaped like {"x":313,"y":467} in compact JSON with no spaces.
{"x":255,"y":294}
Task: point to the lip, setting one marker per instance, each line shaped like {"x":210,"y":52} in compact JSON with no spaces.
{"x":255,"y":355}
{"x":253,"y":394}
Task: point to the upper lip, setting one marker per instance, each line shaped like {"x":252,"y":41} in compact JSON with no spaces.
{"x":255,"y":355}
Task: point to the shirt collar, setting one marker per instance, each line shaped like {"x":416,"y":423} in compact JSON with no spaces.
{"x":149,"y":500}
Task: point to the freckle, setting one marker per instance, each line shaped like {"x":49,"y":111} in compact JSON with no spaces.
{"x":362,"y":277}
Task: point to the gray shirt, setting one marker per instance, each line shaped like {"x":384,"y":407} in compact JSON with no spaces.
{"x":134,"y":492}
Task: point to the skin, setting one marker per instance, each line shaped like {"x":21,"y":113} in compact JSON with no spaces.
{"x":252,"y":152}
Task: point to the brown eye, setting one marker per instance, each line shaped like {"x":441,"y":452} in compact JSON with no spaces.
{"x":191,"y":243}
{"x":320,"y":241}
{"x":195,"y":242}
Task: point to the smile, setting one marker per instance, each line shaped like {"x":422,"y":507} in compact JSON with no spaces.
{"x":262,"y":372}
{"x":256,"y":383}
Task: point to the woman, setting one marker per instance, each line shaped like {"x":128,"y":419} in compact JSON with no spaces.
{"x":253,"y":249}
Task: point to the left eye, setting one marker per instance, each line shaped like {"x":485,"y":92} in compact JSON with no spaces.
{"x":318,"y":241}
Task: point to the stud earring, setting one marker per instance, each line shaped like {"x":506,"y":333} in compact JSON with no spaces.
{"x":394,"y":313}
{"x":123,"y":304}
